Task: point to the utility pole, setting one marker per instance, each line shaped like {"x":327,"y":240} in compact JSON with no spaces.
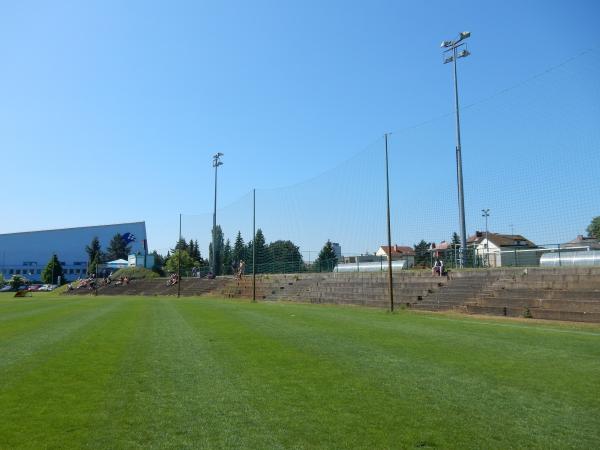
{"x":453,"y":46}
{"x":389,"y":228}
{"x":216,"y":163}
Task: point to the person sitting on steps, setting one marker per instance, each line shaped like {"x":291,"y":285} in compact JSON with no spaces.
{"x":438,"y":267}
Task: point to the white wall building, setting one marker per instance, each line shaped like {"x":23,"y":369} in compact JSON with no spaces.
{"x":500,"y":250}
{"x":27,"y":253}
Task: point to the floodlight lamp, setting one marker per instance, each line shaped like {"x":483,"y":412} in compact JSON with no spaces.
{"x":446,"y":44}
{"x":449,"y":59}
{"x":464,"y":54}
{"x":465,"y":35}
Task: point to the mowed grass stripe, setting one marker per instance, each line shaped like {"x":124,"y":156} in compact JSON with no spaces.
{"x":26,"y":308}
{"x":406,"y":363}
{"x":172,"y":391}
{"x":53,"y":400}
{"x":306,"y":401}
{"x":31,"y":339}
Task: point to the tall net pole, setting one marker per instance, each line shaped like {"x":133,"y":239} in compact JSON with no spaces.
{"x":389,"y":228}
{"x":179,"y":261}
{"x":254,"y":245}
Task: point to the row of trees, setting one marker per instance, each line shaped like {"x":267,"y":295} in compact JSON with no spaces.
{"x":276,"y":257}
{"x":118,"y":248}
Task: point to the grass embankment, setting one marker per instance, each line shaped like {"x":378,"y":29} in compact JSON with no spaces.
{"x":113,"y":372}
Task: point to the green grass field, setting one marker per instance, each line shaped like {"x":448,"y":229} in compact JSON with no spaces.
{"x":113,"y":372}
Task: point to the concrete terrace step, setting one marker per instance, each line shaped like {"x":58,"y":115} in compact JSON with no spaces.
{"x":535,"y":313}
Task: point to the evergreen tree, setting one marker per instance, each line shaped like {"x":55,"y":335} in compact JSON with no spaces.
{"x":262,"y":259}
{"x":159,"y":263}
{"x":94,"y":251}
{"x":53,"y":271}
{"x":327,"y":259}
{"x":455,"y":240}
{"x":194,"y":250}
{"x":93,"y":266}
{"x":118,"y":248}
{"x":218,"y":254}
{"x":422,"y":257}
{"x":239,"y":249}
{"x":227,"y":258}
{"x":181,"y":245}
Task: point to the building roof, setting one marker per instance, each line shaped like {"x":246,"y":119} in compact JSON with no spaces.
{"x":442,"y":246}
{"x":583,"y":241}
{"x":397,"y":250}
{"x":112,"y":225}
{"x":501,"y":240}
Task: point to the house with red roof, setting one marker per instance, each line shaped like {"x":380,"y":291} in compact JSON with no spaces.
{"x":398,"y":253}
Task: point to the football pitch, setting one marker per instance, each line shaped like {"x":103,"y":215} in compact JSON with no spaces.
{"x":117,"y":372}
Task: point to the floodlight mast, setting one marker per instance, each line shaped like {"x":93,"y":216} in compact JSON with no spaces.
{"x":486,"y":214}
{"x":451,"y":47}
{"x":216,"y":163}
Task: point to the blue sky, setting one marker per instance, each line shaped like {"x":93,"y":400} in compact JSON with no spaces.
{"x":110,"y":112}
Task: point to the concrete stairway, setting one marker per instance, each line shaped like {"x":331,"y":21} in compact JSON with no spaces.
{"x":560,"y":294}
{"x":158,"y":286}
{"x":459,"y":288}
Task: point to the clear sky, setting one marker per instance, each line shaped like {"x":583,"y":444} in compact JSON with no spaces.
{"x":110,"y":111}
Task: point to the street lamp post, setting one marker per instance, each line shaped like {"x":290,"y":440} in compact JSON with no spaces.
{"x":216,"y":163}
{"x":486,"y":214}
{"x":451,"y":54}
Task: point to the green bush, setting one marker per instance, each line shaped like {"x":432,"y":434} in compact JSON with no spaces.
{"x":16,"y":282}
{"x":134,"y":272}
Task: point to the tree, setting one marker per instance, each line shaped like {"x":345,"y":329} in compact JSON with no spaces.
{"x":16,"y":282}
{"x":53,"y":271}
{"x":227,"y":255}
{"x":218,"y":254}
{"x":594,"y":228}
{"x":182,"y":245}
{"x":94,"y":251}
{"x":187,"y":263}
{"x":194,"y":250}
{"x":239,"y":249}
{"x":118,"y":248}
{"x":285,"y":257}
{"x":327,"y":259}
{"x":455,"y":240}
{"x":93,"y":266}
{"x":422,"y":254}
{"x":261,"y":251}
{"x":159,"y":262}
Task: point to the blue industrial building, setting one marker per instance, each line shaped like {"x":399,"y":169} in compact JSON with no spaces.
{"x":27,"y":253}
